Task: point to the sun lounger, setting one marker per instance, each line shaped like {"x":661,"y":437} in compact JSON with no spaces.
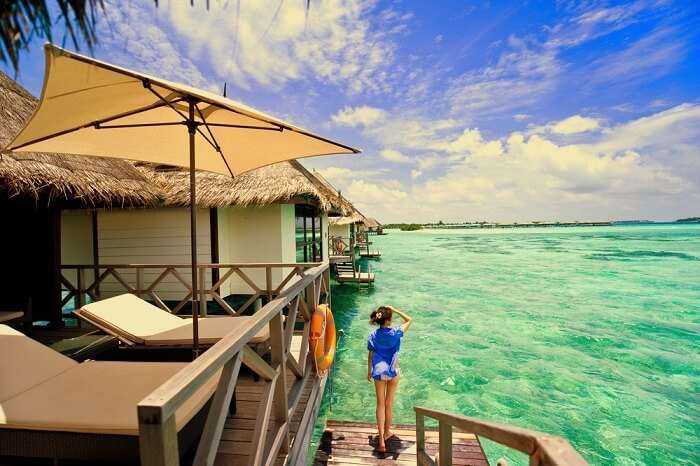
{"x":139,"y":323}
{"x":54,"y":407}
{"x":11,"y":316}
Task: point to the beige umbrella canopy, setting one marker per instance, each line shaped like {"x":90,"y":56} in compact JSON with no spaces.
{"x":93,"y":108}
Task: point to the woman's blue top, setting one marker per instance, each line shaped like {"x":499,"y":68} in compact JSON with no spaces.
{"x":384,"y":343}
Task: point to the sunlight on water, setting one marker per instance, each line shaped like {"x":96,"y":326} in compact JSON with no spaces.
{"x":588,"y":333}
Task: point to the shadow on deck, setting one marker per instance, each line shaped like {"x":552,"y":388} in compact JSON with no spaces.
{"x":354,"y":443}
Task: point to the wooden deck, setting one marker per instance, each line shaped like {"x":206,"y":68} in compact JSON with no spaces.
{"x":353,"y":443}
{"x":304,"y":402}
{"x":357,"y":277}
{"x":234,"y":448}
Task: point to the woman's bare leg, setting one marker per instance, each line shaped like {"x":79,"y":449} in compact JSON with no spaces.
{"x":380,"y":389}
{"x":391,"y":387}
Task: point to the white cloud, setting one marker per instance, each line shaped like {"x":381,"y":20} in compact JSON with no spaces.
{"x":519,"y":78}
{"x":333,"y":173}
{"x":413,"y":132}
{"x":665,"y":129}
{"x":651,"y":56}
{"x":133,"y":40}
{"x":645,"y":165}
{"x":359,"y":116}
{"x":575,"y":124}
{"x":366,"y":193}
{"x":521,"y":116}
{"x":395,"y":156}
{"x":254,"y":44}
{"x":470,"y":142}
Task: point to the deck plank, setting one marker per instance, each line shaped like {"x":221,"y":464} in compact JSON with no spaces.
{"x":353,"y":443}
{"x":237,"y":436}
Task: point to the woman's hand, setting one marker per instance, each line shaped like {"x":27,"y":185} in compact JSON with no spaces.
{"x":369,"y":377}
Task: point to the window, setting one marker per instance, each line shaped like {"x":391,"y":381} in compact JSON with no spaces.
{"x":309,"y":241}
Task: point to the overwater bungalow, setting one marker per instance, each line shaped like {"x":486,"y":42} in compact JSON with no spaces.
{"x":275,"y":214}
{"x":78,"y":225}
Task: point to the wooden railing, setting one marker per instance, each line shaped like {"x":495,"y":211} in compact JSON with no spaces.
{"x":156,"y":413}
{"x":543,"y":449}
{"x":346,"y":241}
{"x":133,"y":278}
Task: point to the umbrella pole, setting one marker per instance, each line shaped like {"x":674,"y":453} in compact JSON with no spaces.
{"x":191,"y":128}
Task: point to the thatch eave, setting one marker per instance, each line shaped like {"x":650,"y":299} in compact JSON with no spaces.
{"x":58,"y":178}
{"x":280,"y":183}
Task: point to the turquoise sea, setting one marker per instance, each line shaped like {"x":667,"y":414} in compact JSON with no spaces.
{"x":588,"y":333}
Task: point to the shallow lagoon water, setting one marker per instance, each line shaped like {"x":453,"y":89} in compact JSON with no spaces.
{"x":591,"y":333}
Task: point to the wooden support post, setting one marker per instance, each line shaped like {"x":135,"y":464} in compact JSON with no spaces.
{"x":257,"y":445}
{"x":80,"y":296}
{"x":202,"y":293}
{"x":268,"y":283}
{"x":209,"y":442}
{"x":278,"y":355}
{"x":303,"y":353}
{"x":157,"y":441}
{"x":139,"y":281}
{"x":445,"y":435}
{"x":420,"y":432}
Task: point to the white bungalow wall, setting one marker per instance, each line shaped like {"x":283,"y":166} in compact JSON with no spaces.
{"x":340,"y":230}
{"x":256,"y":235}
{"x":76,"y":241}
{"x":324,"y":232}
{"x":152,"y":236}
{"x":162,"y":236}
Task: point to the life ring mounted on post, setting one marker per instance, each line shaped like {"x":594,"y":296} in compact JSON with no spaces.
{"x":322,"y":338}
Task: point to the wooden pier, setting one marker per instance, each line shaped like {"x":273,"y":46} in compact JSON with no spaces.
{"x":354,"y":443}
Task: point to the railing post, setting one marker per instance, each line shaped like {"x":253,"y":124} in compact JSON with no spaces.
{"x":139,"y":281}
{"x":445,"y":434}
{"x":420,"y":436}
{"x":202,"y":292}
{"x":268,"y":283}
{"x":157,"y":439}
{"x":80,"y":296}
{"x":279,"y":362}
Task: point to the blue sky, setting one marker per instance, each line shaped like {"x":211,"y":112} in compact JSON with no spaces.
{"x":502,"y":111}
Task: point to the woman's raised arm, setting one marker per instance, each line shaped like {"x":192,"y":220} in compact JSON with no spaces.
{"x":407,"y":320}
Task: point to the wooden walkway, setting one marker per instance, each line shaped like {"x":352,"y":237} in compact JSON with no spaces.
{"x":353,"y":443}
{"x":234,"y":448}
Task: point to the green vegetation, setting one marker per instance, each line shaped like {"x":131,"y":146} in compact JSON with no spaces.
{"x":404,"y":226}
{"x":688,"y":220}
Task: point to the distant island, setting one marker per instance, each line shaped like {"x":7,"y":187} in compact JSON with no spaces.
{"x":485,"y":224}
{"x":404,"y":226}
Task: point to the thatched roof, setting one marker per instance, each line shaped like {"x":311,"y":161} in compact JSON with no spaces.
{"x":92,"y":181}
{"x":88,"y":181}
{"x":348,"y":208}
{"x":356,"y":217}
{"x":279,"y":183}
{"x":371,"y":222}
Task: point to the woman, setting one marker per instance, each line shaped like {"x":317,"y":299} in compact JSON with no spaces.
{"x":383,"y":345}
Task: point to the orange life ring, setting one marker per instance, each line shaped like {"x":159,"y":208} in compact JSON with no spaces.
{"x":322,"y":326}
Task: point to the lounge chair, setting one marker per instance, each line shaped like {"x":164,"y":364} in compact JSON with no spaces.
{"x":53,"y":407}
{"x":136,"y":322}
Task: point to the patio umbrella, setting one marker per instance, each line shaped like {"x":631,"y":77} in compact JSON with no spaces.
{"x":93,"y":108}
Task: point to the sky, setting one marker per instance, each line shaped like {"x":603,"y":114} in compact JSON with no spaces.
{"x":465,"y":111}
